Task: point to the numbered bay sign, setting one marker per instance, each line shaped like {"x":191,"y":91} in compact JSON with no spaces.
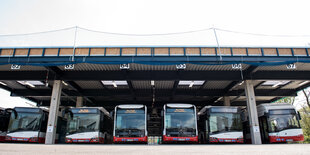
{"x":291,"y":66}
{"x":70,"y":66}
{"x":124,"y":66}
{"x":236,"y":66}
{"x":181,"y":66}
{"x":14,"y":66}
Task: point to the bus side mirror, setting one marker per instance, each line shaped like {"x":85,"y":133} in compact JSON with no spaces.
{"x":9,"y":110}
{"x":70,"y":112}
{"x":242,"y":117}
{"x":111,"y":114}
{"x":45,"y":116}
{"x":299,"y":116}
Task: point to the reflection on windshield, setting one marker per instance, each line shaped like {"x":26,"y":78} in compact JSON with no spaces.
{"x":24,"y":122}
{"x":180,"y":124}
{"x":130,"y":125}
{"x":281,"y":122}
{"x":83,"y":123}
{"x":224,"y":122}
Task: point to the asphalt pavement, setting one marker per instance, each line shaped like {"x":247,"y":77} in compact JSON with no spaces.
{"x":42,"y":149}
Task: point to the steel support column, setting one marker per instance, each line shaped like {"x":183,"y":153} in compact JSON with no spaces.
{"x":79,"y":101}
{"x":252,"y":112}
{"x":226,"y":101}
{"x":53,"y":113}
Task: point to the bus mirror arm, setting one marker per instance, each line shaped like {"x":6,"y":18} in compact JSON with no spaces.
{"x":9,"y":110}
{"x":298,"y":113}
{"x":111,"y":114}
{"x":70,"y":112}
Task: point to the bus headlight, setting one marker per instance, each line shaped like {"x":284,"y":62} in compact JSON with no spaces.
{"x":213,"y":139}
{"x":94,"y":139}
{"x":33,"y":139}
{"x":68,"y":140}
{"x":8,"y":138}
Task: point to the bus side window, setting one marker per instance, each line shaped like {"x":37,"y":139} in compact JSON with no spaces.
{"x":264,"y":128}
{"x":207,"y":128}
{"x":273,"y":125}
{"x":103,"y":123}
{"x":44,"y":122}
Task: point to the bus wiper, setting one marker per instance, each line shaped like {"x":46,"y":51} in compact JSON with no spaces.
{"x":218,"y":131}
{"x":91,"y":124}
{"x":289,"y":127}
{"x":232,"y":129}
{"x":18,"y":129}
{"x":174,"y":129}
{"x":128,"y":129}
{"x":188,"y":129}
{"x":31,"y":122}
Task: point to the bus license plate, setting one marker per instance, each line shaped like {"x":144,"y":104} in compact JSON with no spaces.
{"x":227,"y":140}
{"x":181,"y":139}
{"x":129,"y":140}
{"x":289,"y":140}
{"x":19,"y":139}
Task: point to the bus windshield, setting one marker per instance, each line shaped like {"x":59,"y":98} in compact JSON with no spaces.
{"x":83,"y":122}
{"x":24,"y":122}
{"x":225,"y":122}
{"x":281,"y":120}
{"x":180,"y":122}
{"x":130,"y":123}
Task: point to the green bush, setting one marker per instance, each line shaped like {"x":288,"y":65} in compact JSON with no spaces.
{"x":305,"y":124}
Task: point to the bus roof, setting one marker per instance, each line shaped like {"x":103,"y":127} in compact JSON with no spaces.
{"x":265,"y":107}
{"x":179,"y":105}
{"x":32,"y":108}
{"x":221,"y":108}
{"x":130,"y":106}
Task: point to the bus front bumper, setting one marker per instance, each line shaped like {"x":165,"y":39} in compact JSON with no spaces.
{"x":180,"y":139}
{"x":279,"y":139}
{"x":129,"y":139}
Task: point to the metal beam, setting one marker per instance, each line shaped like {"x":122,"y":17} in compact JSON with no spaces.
{"x":132,"y":91}
{"x":242,"y":93}
{"x":55,"y":60}
{"x":147,"y":92}
{"x":58,"y":73}
{"x":174,"y":89}
{"x":245,"y":74}
{"x":157,"y":75}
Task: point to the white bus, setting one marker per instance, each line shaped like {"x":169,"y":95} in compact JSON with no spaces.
{"x":279,"y":122}
{"x":220,"y":124}
{"x":179,"y":123}
{"x":130,"y":124}
{"x":27,"y":125}
{"x":89,"y":125}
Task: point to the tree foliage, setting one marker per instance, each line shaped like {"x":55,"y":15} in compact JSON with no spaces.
{"x":305,"y":115}
{"x":305,"y":124}
{"x":289,"y":100}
